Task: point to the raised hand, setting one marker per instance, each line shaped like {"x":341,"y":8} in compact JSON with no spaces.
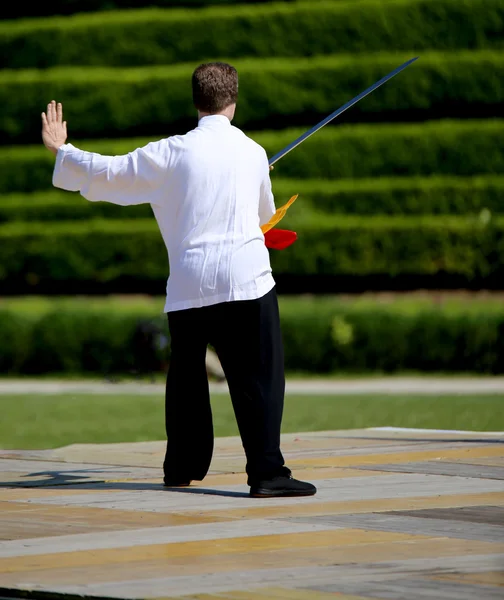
{"x":54,"y":129}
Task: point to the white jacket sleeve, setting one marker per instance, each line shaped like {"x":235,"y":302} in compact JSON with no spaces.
{"x":135,"y":178}
{"x":266,"y":200}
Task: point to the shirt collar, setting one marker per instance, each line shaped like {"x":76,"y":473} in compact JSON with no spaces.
{"x":214,"y":119}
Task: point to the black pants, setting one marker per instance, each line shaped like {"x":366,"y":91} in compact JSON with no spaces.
{"x":247,"y":338}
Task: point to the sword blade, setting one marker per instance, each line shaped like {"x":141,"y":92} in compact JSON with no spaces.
{"x":338,"y":112}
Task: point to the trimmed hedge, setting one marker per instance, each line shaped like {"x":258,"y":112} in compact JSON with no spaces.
{"x":394,"y":246}
{"x":12,"y":10}
{"x":273,"y":93}
{"x":64,"y":206}
{"x":98,"y":252}
{"x":325,"y":337}
{"x":320,"y":336}
{"x":77,"y":340}
{"x":397,"y":196}
{"x":462,"y":148}
{"x":155,"y":36}
{"x":394,"y":196}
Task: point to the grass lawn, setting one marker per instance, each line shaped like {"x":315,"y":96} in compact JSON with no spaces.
{"x":49,"y":421}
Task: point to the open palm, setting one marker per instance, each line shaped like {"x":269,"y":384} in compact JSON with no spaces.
{"x":54,"y":129}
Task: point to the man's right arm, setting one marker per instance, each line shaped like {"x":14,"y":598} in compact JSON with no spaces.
{"x":266,"y":199}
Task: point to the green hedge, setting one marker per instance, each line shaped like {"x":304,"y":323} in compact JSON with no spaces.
{"x":394,"y":246}
{"x":11,"y":10}
{"x":92,"y":251}
{"x":443,"y":147}
{"x":76,"y":341}
{"x":462,"y":148}
{"x":394,"y":196}
{"x":397,"y":196}
{"x":155,"y":36}
{"x":274,"y":93}
{"x":325,"y":337}
{"x":320,"y":336}
{"x":79,"y":253}
{"x":64,"y":206}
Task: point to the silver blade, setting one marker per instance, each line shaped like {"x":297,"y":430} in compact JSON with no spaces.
{"x":338,"y":112}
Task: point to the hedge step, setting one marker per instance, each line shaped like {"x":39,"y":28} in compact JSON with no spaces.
{"x":320,"y":335}
{"x":274,"y":93}
{"x":275,"y":29}
{"x":394,"y":196}
{"x":108,"y":251}
{"x":445,"y":148}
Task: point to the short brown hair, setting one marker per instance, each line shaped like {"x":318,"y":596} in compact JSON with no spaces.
{"x":214,"y":86}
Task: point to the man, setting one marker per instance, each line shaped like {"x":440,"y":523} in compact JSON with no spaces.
{"x":210,"y":192}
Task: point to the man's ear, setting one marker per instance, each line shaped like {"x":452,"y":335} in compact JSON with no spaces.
{"x":232,"y":111}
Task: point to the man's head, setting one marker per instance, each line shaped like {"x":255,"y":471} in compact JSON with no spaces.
{"x":215,"y":88}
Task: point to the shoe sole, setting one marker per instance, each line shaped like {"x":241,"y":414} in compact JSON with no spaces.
{"x":280,"y":494}
{"x":171,"y":485}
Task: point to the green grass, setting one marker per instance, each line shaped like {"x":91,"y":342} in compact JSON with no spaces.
{"x":56,"y":420}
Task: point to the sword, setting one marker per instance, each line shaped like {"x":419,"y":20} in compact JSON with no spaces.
{"x":338,"y":112}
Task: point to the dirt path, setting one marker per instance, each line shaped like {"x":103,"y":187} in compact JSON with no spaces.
{"x":376,"y":385}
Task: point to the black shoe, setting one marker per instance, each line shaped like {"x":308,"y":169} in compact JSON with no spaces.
{"x":282,"y":486}
{"x":176,"y":482}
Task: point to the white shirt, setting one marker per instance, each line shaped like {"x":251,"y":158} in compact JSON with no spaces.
{"x":209,"y":190}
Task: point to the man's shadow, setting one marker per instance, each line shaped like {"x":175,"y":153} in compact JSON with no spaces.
{"x":80,"y":479}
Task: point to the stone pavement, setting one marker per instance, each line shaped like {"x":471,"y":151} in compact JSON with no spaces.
{"x":400,"y":514}
{"x":374,"y":385}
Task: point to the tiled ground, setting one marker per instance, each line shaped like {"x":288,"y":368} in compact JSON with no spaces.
{"x":399,"y":515}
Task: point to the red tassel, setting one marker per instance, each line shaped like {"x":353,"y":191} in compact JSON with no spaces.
{"x":278,"y":239}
